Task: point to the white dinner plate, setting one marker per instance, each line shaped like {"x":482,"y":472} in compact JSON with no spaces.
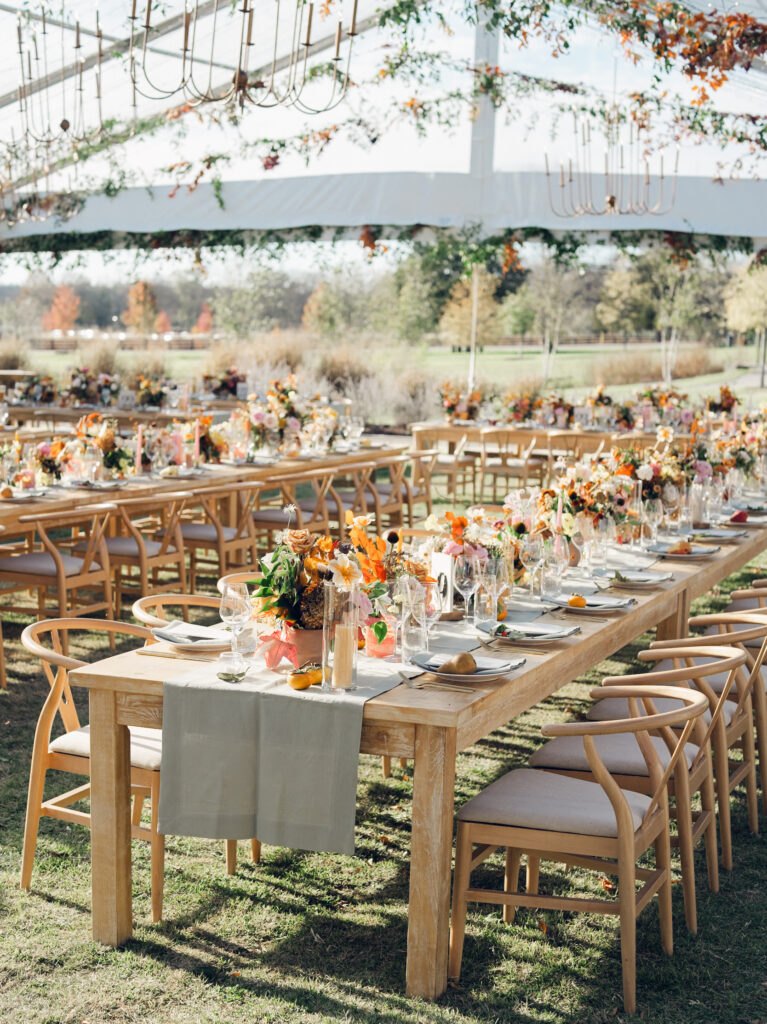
{"x":187,"y":637}
{"x":528,"y":632}
{"x":696,"y":551}
{"x":597,"y":604}
{"x":635,"y":579}
{"x":487,"y":668}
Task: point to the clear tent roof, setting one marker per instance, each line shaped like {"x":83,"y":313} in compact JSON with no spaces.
{"x":488,"y":169}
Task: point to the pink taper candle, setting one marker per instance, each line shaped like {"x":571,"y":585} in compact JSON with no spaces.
{"x":559,"y":514}
{"x":139,"y":468}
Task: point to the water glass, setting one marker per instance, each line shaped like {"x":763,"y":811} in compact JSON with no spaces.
{"x":486,"y":601}
{"x":235,"y":611}
{"x":414,"y":639}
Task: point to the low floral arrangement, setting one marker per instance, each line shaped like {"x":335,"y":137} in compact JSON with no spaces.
{"x":38,"y":389}
{"x":599,"y":397}
{"x":93,"y":389}
{"x":102,"y":434}
{"x":662,"y":398}
{"x":725,"y":403}
{"x":151,"y":391}
{"x":224,"y":384}
{"x":563,"y":410}
{"x":518,"y":408}
{"x":321,"y":427}
{"x":458,"y":405}
{"x":211,"y":443}
{"x":624,"y":416}
{"x":48,"y":458}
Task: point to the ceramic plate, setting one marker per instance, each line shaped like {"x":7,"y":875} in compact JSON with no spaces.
{"x":487,"y":668}
{"x":528,"y":632}
{"x":635,"y":579}
{"x":696,"y":551}
{"x":597,"y":604}
{"x":186,"y":637}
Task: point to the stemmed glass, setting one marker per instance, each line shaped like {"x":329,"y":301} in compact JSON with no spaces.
{"x":531,"y":556}
{"x":432,"y":607}
{"x":466,"y":579}
{"x":653,"y":516}
{"x":236,"y":611}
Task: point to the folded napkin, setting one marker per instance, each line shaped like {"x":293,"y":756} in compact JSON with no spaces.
{"x":179,"y":632}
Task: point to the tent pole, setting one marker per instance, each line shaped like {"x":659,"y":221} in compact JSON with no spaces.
{"x":474,"y":320}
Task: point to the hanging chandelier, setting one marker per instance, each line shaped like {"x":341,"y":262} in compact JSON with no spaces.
{"x":612,"y":179}
{"x":209,"y":42}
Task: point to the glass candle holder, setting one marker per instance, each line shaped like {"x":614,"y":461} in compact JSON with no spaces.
{"x":339,"y":638}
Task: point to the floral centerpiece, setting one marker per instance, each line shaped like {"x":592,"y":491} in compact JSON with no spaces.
{"x":37,"y":389}
{"x":520,"y":407}
{"x":662,"y":398}
{"x":151,"y":391}
{"x":624,"y":416}
{"x":224,"y":384}
{"x":562,"y":410}
{"x":86,"y":388}
{"x":102,"y":434}
{"x":599,"y":397}
{"x":726,"y":401}
{"x":277,"y":419}
{"x":48,"y":460}
{"x":321,"y":427}
{"x":212,"y":443}
{"x":457,"y":405}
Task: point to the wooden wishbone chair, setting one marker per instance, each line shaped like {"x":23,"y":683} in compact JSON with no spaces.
{"x":225,"y":529}
{"x":238,"y":577}
{"x":622,"y":757}
{"x":51,"y":567}
{"x":736,"y":728}
{"x":596,"y":825}
{"x":70,"y":752}
{"x":150,"y":612}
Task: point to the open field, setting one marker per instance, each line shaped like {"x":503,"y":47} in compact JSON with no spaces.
{"x":306,"y":938}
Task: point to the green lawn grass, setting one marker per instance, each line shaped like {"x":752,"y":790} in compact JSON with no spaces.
{"x":306,"y":937}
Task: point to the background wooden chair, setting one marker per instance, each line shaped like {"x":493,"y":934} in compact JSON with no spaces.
{"x":72,"y":578}
{"x":594,"y":825}
{"x":222,"y":535}
{"x":505,"y":459}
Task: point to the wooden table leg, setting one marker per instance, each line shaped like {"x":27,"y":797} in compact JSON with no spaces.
{"x":431,"y":850}
{"x":112,"y":909}
{"x":675,"y":626}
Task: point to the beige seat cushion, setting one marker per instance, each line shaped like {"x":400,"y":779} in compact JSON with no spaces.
{"x":447,"y":460}
{"x":40,"y":563}
{"x":128,"y":546}
{"x":614,"y":708}
{"x":270,"y":515}
{"x":206,"y":532}
{"x":620,"y":754}
{"x":746,"y":605}
{"x":555,"y":803}
{"x":145,"y":746}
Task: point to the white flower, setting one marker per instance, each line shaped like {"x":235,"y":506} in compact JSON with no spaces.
{"x":645,"y":472}
{"x":346,"y":572}
{"x":362,"y":522}
{"x":433,"y":523}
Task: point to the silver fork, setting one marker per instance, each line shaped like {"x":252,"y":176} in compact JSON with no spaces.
{"x":436,"y":685}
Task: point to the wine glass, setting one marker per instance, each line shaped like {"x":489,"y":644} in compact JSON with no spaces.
{"x":432,"y":606}
{"x":672,"y":499}
{"x":531,"y":556}
{"x":236,"y":611}
{"x":652,"y":509}
{"x":465,"y":579}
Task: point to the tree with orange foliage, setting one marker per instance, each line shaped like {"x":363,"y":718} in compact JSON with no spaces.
{"x":65,"y":308}
{"x":162,"y":323}
{"x":204,"y":323}
{"x":142,"y":308}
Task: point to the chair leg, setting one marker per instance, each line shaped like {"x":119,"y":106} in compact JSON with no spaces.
{"x":460,"y":885}
{"x":255,"y":851}
{"x":230,"y":853}
{"x":749,"y":756}
{"x":663,"y":863}
{"x":722,"y":778}
{"x":386,"y":766}
{"x":627,"y":895}
{"x":138,"y":807}
{"x":533,"y":873}
{"x":32,"y":820}
{"x":686,"y":846}
{"x":708,"y":803}
{"x":511,"y":882}
{"x":157,"y":855}
{"x":760,"y":713}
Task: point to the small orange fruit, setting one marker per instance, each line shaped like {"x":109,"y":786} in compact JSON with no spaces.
{"x":577,"y":601}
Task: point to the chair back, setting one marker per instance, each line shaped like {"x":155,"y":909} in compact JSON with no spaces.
{"x":151,"y":610}
{"x":93,"y":519}
{"x":159,"y":515}
{"x":641,"y":725}
{"x":691,"y":675}
{"x":243,"y":576}
{"x":47,"y":641}
{"x":215,"y":503}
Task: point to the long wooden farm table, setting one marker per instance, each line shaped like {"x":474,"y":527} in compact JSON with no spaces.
{"x":64,"y":499}
{"x":429,"y":726}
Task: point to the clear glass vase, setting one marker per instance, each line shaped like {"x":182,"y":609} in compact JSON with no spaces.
{"x":340,"y":630}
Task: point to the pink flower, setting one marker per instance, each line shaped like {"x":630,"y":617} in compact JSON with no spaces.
{"x":453,"y":548}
